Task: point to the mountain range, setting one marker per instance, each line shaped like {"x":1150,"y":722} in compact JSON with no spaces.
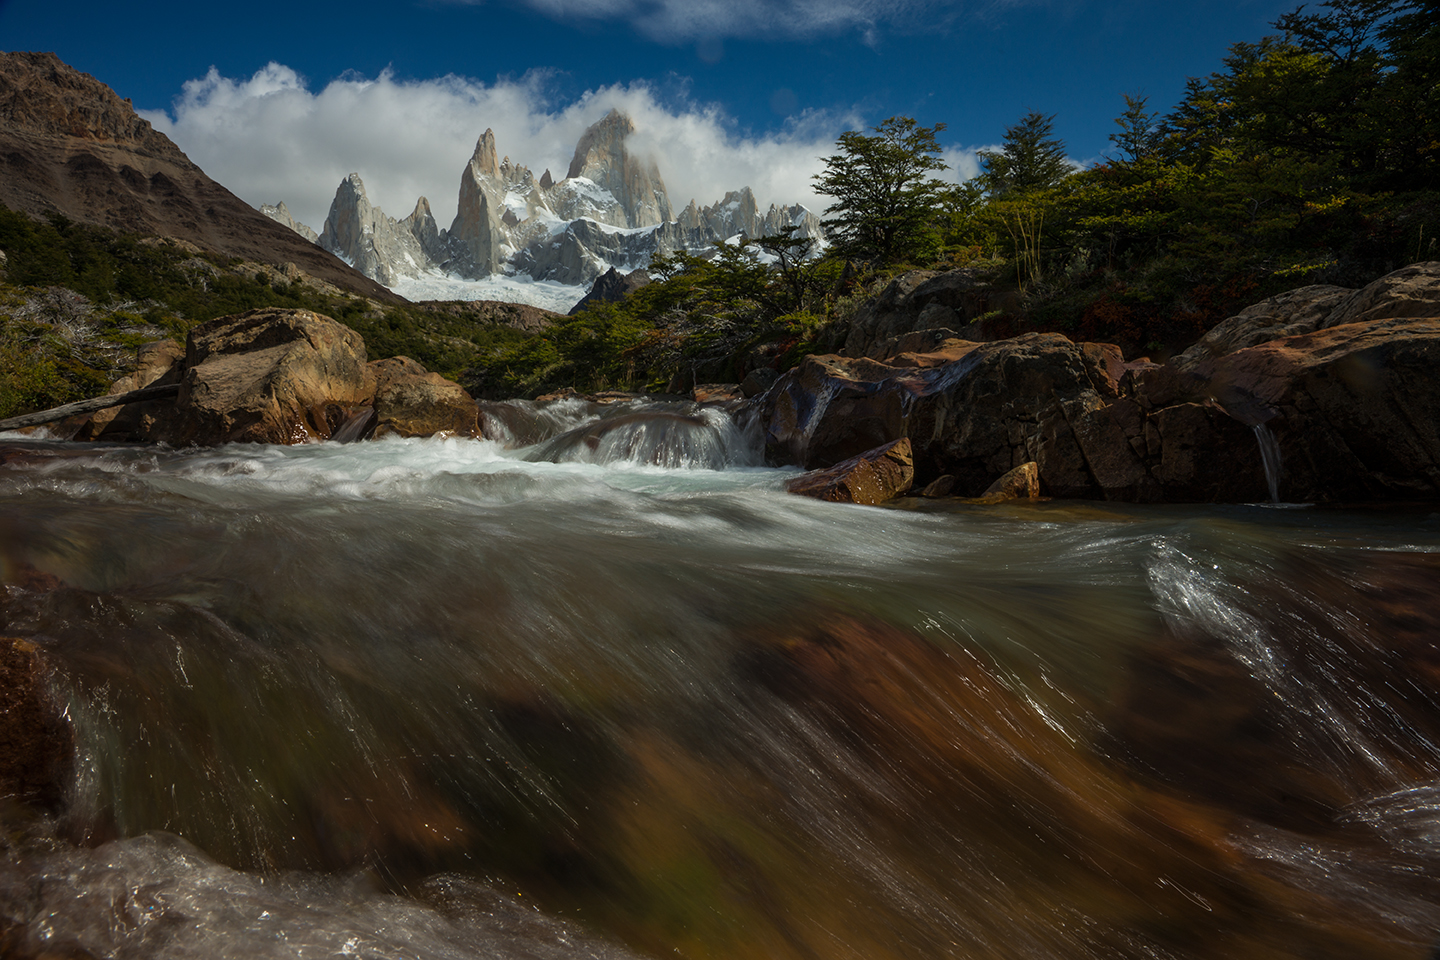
{"x":610,"y":211}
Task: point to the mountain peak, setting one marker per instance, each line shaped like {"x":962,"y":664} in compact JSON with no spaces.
{"x":484,"y":160}
{"x":602,"y":158}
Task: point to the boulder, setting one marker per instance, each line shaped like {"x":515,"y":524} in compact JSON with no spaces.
{"x":266,"y":376}
{"x":1412,"y":291}
{"x":872,"y":477}
{"x":923,"y":300}
{"x":975,"y":411}
{"x":1021,"y":483}
{"x":757,"y":381}
{"x":1288,"y":314}
{"x":1352,"y":408}
{"x":413,"y":402}
{"x":159,"y":363}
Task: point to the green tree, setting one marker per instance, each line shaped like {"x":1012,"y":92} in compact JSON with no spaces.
{"x":1032,"y":158}
{"x":886,"y":203}
{"x":1140,"y":135}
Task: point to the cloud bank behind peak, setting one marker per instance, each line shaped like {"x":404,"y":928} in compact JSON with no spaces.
{"x":270,"y":138}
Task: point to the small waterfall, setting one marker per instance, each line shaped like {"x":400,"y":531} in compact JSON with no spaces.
{"x":1270,"y":454}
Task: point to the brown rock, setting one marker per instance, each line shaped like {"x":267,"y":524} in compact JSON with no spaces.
{"x":1353,"y":408}
{"x":37,"y":747}
{"x":716,"y":392}
{"x":1412,"y":291}
{"x":873,"y":477}
{"x":1021,"y":483}
{"x":939,"y":487}
{"x":412,"y":402}
{"x":267,"y":376}
{"x":70,"y":145}
{"x":1288,"y":314}
{"x":162,"y":362}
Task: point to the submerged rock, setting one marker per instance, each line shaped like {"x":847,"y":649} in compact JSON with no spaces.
{"x":37,"y":746}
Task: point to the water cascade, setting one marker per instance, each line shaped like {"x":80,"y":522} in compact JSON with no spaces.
{"x":1270,"y":455}
{"x":606,"y":690}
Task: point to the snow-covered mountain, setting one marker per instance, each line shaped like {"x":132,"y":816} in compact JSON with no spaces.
{"x":536,"y":240}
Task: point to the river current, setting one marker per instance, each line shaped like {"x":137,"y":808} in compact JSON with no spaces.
{"x":607,"y":690}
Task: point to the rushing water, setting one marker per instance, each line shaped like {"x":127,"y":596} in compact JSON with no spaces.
{"x":608,"y":691}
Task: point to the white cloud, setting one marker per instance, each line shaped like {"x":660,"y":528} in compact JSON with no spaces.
{"x":686,"y":20}
{"x":271,"y":138}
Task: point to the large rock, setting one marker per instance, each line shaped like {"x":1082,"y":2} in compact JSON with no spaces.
{"x":1353,"y":408}
{"x":1413,"y":291}
{"x":157,"y":364}
{"x":267,"y":376}
{"x":1285,"y":315}
{"x":873,"y":477}
{"x":923,"y":300}
{"x":975,"y":411}
{"x":412,"y":402}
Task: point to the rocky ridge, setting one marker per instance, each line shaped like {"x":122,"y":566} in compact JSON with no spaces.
{"x":611,"y":211}
{"x":70,"y":145}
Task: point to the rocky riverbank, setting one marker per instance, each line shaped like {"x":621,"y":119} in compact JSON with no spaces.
{"x":1333,"y":386}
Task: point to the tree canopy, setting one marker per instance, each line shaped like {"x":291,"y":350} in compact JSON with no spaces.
{"x":1032,"y":158}
{"x":886,"y":202}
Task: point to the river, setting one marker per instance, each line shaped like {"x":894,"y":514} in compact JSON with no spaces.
{"x":608,"y":691}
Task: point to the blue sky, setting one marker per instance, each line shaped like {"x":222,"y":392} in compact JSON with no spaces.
{"x":730,"y":91}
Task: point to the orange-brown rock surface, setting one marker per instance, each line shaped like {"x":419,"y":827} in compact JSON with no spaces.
{"x":872,"y":477}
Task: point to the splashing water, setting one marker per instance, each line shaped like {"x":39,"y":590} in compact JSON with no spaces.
{"x":605,"y":690}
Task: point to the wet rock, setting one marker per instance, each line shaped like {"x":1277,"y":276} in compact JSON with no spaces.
{"x":1096,"y":426}
{"x":266,"y":376}
{"x":939,"y":487}
{"x":716,"y":392}
{"x":413,"y":402}
{"x":37,"y":746}
{"x":757,"y":381}
{"x":1021,"y":483}
{"x":872,"y":477}
{"x":1352,"y":408}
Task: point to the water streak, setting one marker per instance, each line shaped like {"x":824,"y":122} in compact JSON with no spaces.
{"x":1270,"y":455}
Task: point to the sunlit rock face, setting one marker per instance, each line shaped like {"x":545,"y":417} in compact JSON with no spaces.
{"x":362,"y":235}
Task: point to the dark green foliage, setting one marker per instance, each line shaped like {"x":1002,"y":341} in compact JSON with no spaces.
{"x":1032,"y":158}
{"x":1140,"y":135}
{"x":700,"y":320}
{"x":55,"y":349}
{"x":887,"y":206}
